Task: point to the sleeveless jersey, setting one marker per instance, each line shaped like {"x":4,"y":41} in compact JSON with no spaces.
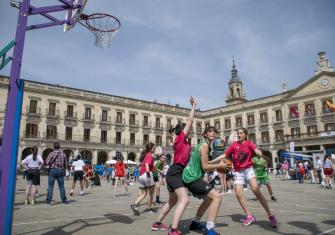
{"x":193,"y":171}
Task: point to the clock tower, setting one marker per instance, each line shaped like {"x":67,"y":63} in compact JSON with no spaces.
{"x":236,"y":94}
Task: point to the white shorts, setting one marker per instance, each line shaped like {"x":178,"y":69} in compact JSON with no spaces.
{"x":146,"y":182}
{"x":242,"y":175}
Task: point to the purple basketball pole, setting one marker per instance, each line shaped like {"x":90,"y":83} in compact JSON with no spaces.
{"x":8,"y":157}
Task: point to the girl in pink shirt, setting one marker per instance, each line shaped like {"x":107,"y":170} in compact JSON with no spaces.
{"x":146,"y":179}
{"x":242,"y":151}
{"x":175,"y":185}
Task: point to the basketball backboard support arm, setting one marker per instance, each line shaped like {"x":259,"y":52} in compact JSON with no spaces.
{"x":11,"y":130}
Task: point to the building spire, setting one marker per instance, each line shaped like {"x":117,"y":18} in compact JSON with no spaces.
{"x":235,"y":93}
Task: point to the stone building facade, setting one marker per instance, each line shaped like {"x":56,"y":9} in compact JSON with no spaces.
{"x":97,"y":125}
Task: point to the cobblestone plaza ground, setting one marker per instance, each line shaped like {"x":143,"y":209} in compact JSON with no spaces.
{"x":301,"y":209}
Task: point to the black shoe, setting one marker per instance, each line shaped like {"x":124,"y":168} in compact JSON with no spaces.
{"x":273,"y":198}
{"x":135,"y":209}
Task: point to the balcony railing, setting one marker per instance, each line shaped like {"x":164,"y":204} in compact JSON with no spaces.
{"x":119,"y":121}
{"x":70,"y":115}
{"x":158,"y":126}
{"x":264,"y":122}
{"x":292,"y":116}
{"x":134,"y":122}
{"x":30,"y":112}
{"x":251,"y":123}
{"x":318,"y":134}
{"x":52,"y":113}
{"x":107,"y":119}
{"x":30,"y":135}
{"x":90,"y":118}
{"x":146,"y":124}
{"x":309,"y":114}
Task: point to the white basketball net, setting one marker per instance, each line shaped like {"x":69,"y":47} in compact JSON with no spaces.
{"x":103,"y":39}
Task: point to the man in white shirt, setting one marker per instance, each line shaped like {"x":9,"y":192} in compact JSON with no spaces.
{"x":78,"y":168}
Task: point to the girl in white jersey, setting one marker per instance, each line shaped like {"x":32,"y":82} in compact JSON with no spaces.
{"x":32,"y":164}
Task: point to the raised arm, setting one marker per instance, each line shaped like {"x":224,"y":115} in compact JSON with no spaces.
{"x":190,"y":117}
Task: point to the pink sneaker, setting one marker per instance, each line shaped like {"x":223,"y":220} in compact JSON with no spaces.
{"x":273,"y":221}
{"x":249,"y":220}
{"x":159,"y":227}
{"x":174,"y":232}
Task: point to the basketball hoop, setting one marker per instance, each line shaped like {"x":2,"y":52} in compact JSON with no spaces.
{"x":103,"y":26}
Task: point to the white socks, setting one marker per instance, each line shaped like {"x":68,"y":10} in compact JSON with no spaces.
{"x":209,"y":225}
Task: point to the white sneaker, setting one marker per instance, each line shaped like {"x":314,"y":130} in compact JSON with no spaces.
{"x":229,"y":191}
{"x":71,"y":193}
{"x":81,"y":193}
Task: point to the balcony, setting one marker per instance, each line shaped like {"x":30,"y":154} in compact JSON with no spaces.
{"x":168,"y":126}
{"x":327,"y":116}
{"x":88,"y":119}
{"x":33,"y":115}
{"x":29,"y":135}
{"x":158,"y":126}
{"x":293,"y":120}
{"x":264,"y":122}
{"x":158,"y":129}
{"x":70,"y":116}
{"x":49,"y":136}
{"x":134,"y":123}
{"x":278,"y":123}
{"x":52,"y":113}
{"x":105,"y":120}
{"x":146,"y":125}
{"x":32,"y":112}
{"x":310,"y":118}
{"x":120,"y":122}
{"x":251,"y":123}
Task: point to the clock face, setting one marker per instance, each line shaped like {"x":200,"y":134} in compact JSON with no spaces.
{"x":324,"y":82}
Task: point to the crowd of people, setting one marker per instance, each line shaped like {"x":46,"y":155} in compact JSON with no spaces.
{"x":234,"y":165}
{"x":305,"y":170}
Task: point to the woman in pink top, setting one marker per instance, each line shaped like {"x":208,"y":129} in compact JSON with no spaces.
{"x":175,"y":185}
{"x":146,"y":179}
{"x":242,"y":151}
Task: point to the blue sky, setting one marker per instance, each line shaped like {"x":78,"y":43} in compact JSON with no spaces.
{"x":169,"y":50}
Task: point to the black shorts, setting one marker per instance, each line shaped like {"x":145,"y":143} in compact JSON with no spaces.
{"x":174,"y":178}
{"x":78,"y":175}
{"x":33,"y":175}
{"x":199,"y":188}
{"x":156,"y":179}
{"x":229,"y":176}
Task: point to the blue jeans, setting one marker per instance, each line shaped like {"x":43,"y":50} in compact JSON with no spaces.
{"x":56,"y":174}
{"x":300,"y":178}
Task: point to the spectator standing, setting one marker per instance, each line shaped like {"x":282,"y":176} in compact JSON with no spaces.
{"x":78,"y":168}
{"x":57,"y":163}
{"x":328,"y":171}
{"x":33,"y":163}
{"x":310,"y":172}
{"x":319,"y":167}
{"x":285,"y":167}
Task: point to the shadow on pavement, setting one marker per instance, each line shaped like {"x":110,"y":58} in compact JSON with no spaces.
{"x":310,"y":228}
{"x":84,"y":223}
